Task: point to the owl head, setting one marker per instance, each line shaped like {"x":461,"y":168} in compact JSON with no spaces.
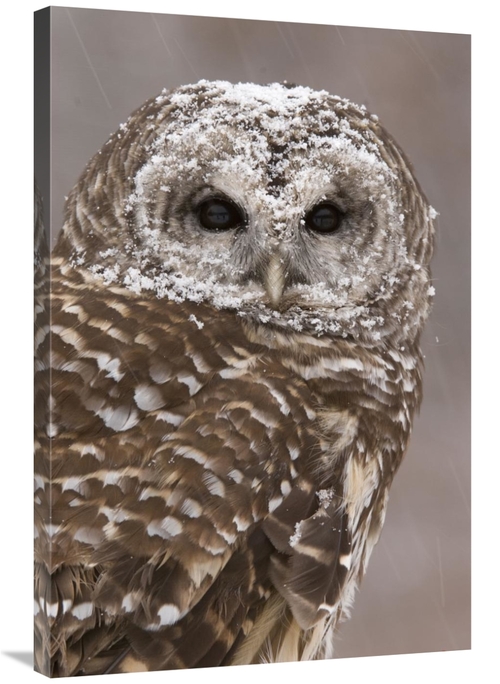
{"x":292,"y":207}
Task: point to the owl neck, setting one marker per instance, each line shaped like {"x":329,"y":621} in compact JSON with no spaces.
{"x":346,"y":373}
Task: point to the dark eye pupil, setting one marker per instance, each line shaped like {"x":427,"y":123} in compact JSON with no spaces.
{"x":219,"y":214}
{"x":324,"y":218}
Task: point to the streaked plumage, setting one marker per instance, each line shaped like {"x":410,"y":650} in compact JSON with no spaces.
{"x":227,"y":407}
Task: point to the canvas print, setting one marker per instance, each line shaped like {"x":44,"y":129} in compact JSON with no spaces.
{"x":231,"y":295}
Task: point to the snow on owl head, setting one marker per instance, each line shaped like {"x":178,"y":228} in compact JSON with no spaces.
{"x":290,"y":206}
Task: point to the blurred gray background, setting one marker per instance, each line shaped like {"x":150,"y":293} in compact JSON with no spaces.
{"x":416,"y":594}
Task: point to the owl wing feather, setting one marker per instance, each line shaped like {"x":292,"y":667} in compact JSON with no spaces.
{"x":180,"y":489}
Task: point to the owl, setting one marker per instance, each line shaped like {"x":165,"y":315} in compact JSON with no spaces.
{"x":227,"y":370}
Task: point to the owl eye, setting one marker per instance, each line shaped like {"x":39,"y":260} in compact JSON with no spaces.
{"x":219,"y":214}
{"x":323,"y":218}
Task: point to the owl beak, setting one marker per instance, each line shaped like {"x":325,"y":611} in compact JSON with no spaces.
{"x":274,"y":279}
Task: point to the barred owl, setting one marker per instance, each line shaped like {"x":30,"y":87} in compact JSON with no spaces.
{"x":228,"y":382}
